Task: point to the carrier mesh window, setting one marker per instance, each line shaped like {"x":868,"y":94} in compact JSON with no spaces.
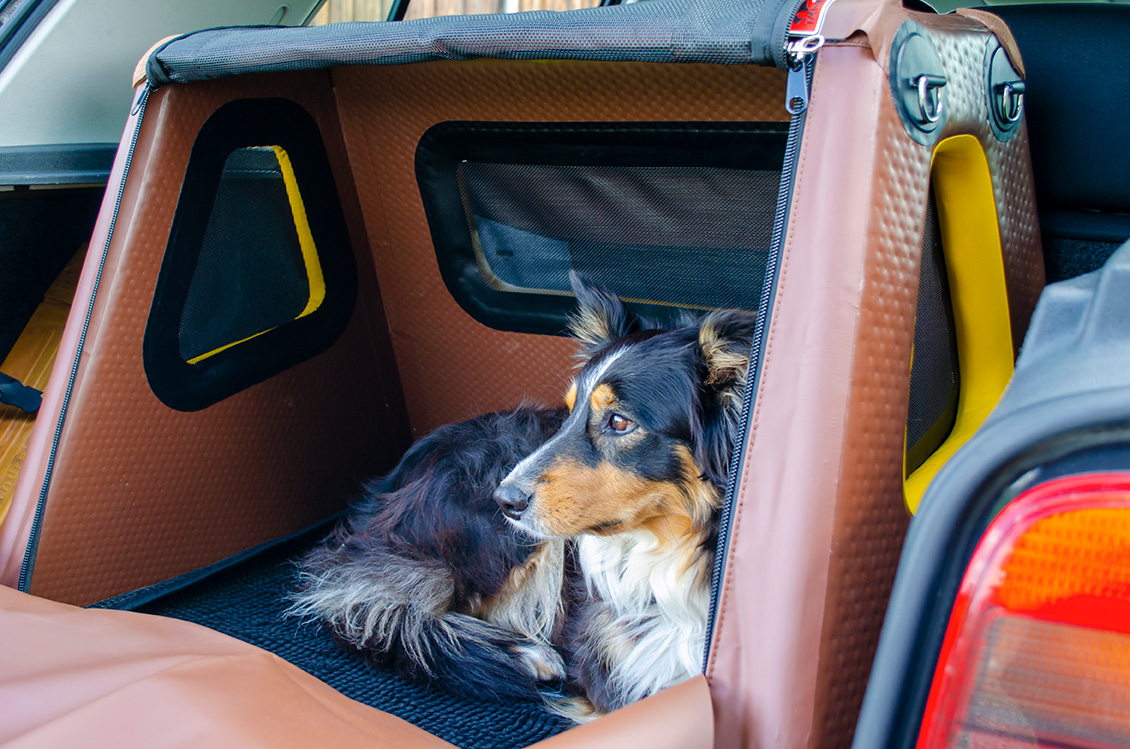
{"x":668,"y":216}
{"x":934,"y":379}
{"x":631,"y":228}
{"x":258,"y":267}
{"x":258,"y":272}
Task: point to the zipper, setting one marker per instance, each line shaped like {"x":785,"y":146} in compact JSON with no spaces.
{"x":24,"y":583}
{"x":798,"y":52}
{"x":796,"y":104}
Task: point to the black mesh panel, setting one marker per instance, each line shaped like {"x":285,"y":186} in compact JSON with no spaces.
{"x":934,"y":378}
{"x":667,"y":215}
{"x":688,"y":236}
{"x":250,"y":276}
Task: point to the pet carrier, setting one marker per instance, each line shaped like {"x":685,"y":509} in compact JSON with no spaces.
{"x":318,"y":243}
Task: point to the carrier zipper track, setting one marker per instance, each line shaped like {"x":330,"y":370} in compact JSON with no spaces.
{"x":798,"y":87}
{"x":37,"y":519}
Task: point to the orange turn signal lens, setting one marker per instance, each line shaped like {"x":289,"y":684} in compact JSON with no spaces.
{"x":1037,"y":652}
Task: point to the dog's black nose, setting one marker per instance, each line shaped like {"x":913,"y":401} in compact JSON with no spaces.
{"x":512,"y":500}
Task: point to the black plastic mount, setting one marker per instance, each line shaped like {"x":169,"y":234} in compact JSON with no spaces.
{"x":918,"y":83}
{"x":1005,"y":90}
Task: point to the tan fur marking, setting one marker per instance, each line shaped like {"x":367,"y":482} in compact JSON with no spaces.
{"x":573,"y":498}
{"x":590,"y":326}
{"x":702,"y":498}
{"x":726,"y":364}
{"x":602,"y":397}
{"x":490,"y":607}
{"x":576,"y":709}
{"x":571,"y":396}
{"x":726,"y":367}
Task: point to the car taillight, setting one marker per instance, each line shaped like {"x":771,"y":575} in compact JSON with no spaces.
{"x":1037,"y":652}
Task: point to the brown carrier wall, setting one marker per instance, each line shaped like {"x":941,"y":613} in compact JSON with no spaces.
{"x":135,"y":474}
{"x":451,"y":366}
{"x":140,"y":492}
{"x":820,"y":518}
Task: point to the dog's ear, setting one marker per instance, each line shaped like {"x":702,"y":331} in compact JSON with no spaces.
{"x":725,"y":339}
{"x":724,"y":343}
{"x":600,"y":315}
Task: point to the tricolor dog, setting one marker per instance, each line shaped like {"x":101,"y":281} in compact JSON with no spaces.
{"x":550,"y":545}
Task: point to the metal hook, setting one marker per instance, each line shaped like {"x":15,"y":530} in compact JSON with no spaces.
{"x":929,"y":99}
{"x":1012,"y":101}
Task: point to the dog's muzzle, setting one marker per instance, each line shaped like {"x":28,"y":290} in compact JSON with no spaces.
{"x":512,"y":500}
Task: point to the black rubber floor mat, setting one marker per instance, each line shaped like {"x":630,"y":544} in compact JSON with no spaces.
{"x":247,"y":600}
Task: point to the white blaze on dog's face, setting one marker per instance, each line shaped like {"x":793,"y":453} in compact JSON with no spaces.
{"x":639,"y":447}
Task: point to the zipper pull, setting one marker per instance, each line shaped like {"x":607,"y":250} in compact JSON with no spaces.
{"x":796,"y":90}
{"x":796,"y":87}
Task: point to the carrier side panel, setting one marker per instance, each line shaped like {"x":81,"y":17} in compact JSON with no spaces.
{"x":138,"y":491}
{"x":820,"y":516}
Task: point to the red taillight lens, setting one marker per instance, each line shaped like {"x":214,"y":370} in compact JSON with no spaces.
{"x":1037,"y":652}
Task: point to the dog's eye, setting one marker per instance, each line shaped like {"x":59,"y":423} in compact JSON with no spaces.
{"x":620,"y":424}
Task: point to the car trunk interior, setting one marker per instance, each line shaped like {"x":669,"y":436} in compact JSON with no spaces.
{"x":196,"y":464}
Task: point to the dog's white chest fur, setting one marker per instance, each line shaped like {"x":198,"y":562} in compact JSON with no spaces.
{"x":657,"y":602}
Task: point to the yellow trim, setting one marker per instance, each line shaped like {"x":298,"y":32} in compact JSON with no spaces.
{"x":305,"y":237}
{"x":967,"y":215}
{"x":227,"y":346}
{"x":305,"y":242}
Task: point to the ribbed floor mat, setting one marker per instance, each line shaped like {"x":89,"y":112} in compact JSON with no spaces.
{"x":247,"y":599}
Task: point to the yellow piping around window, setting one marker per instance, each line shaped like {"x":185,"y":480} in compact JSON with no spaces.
{"x":967,"y":215}
{"x":305,"y":238}
{"x":305,"y":243}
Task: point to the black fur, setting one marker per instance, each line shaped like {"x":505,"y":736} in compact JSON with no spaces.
{"x":436,"y":508}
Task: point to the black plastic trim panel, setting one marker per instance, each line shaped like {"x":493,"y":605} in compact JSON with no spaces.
{"x":66,"y":164}
{"x":1092,"y":226}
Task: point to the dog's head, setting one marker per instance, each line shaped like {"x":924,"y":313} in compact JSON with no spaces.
{"x":652,"y":423}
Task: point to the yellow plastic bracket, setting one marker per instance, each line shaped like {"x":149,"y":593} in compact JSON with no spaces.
{"x":967,"y":216}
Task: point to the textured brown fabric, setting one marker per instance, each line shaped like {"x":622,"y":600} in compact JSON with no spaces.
{"x":451,"y":366}
{"x":16,"y":529}
{"x":141,"y":492}
{"x":89,"y":677}
{"x":676,"y":718}
{"x":820,"y":517}
{"x":164,"y":491}
{"x":1000,"y":29}
{"x":83,"y":677}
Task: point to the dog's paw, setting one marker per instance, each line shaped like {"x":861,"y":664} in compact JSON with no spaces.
{"x":576,"y":709}
{"x":543,"y":662}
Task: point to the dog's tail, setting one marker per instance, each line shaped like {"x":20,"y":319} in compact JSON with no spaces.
{"x":396,"y":611}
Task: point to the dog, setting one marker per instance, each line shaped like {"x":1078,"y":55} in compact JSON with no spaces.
{"x":571,"y":546}
{"x":425,"y":576}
